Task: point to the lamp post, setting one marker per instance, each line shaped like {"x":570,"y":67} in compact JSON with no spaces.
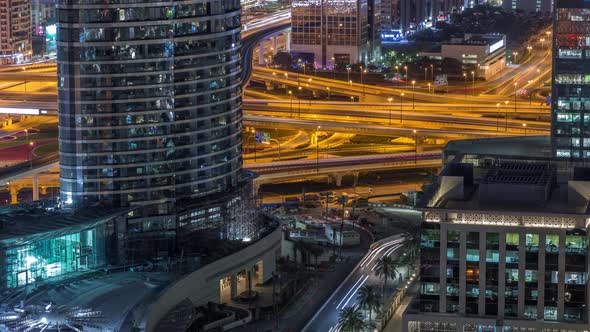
{"x":389,"y":100}
{"x":413,"y":99}
{"x":291,"y":98}
{"x":465,"y":84}
{"x":524,"y":126}
{"x":333,"y":68}
{"x":299,"y":98}
{"x":362,"y":82}
{"x":428,"y":87}
{"x":31,"y":144}
{"x":406,"y":68}
{"x":279,"y":144}
{"x":425,"y":74}
{"x":401,"y":108}
{"x":348,"y":75}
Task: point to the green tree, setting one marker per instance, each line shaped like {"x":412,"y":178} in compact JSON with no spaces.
{"x":368,"y":300}
{"x":386,"y":268}
{"x":351,"y":319}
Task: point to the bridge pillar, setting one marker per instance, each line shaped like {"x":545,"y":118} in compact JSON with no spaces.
{"x":355,"y":179}
{"x":35,"y":188}
{"x":338,"y":178}
{"x":234,"y":286}
{"x":256,"y":187}
{"x":275,"y":45}
{"x":419,"y":144}
{"x":261,"y":53}
{"x":288,"y":41}
{"x":13,"y":193}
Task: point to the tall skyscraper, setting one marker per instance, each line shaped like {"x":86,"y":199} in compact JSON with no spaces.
{"x":336,"y":32}
{"x":150,"y":113}
{"x":15,"y":34}
{"x":570,"y":96}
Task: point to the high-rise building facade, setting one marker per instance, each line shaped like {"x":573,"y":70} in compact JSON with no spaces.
{"x":149,"y":101}
{"x":15,"y":31}
{"x":504,"y":242}
{"x":570,"y":95}
{"x":150,"y":116}
{"x":336,"y":32}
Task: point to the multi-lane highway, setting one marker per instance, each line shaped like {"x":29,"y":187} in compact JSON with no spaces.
{"x":326,"y":319}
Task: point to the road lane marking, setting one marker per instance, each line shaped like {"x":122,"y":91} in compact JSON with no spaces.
{"x":351,"y":288}
{"x":356,"y":290}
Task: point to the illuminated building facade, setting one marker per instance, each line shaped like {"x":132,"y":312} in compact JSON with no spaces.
{"x":484,"y":55}
{"x":570,"y":95}
{"x":336,"y":32}
{"x":15,"y":31}
{"x":150,"y":117}
{"x":504,"y":241}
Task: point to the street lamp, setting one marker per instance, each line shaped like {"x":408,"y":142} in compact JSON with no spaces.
{"x":465,"y":84}
{"x":31,"y":144}
{"x":524,"y":126}
{"x":425,"y":74}
{"x":291,"y":97}
{"x":328,"y":88}
{"x":473,"y":82}
{"x":401,"y":108}
{"x":348,"y":74}
{"x":406,"y":68}
{"x":389,"y":100}
{"x":413,"y":99}
{"x":428,"y":87}
{"x":299,"y":98}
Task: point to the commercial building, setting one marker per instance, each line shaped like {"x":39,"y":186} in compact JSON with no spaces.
{"x":15,"y":31}
{"x":570,"y":101}
{"x":150,"y":118}
{"x":335,"y":32}
{"x":484,"y":55}
{"x":504,"y":243}
{"x":528,"y":6}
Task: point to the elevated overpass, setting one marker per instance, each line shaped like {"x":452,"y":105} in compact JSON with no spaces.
{"x":336,"y":168}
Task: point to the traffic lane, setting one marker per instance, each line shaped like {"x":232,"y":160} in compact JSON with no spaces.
{"x":345,"y":295}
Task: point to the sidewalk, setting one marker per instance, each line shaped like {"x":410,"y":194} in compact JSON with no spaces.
{"x":395,"y":324}
{"x":297,"y":313}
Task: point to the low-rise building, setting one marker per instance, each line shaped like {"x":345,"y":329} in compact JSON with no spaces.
{"x":483,"y":54}
{"x":342,"y":235}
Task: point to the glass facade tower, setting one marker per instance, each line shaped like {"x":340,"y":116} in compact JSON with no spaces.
{"x":570,"y":129}
{"x":149,"y":101}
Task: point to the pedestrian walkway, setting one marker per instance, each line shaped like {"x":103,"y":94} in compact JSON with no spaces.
{"x":395,"y":324}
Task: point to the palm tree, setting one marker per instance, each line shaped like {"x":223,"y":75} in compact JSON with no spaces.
{"x":387,"y":268}
{"x":351,"y":319}
{"x":368,"y":300}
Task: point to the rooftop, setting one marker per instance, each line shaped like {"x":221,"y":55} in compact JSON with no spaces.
{"x":35,"y":221}
{"x":508,"y":175}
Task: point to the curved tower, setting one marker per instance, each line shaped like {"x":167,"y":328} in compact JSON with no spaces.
{"x":149,"y":102}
